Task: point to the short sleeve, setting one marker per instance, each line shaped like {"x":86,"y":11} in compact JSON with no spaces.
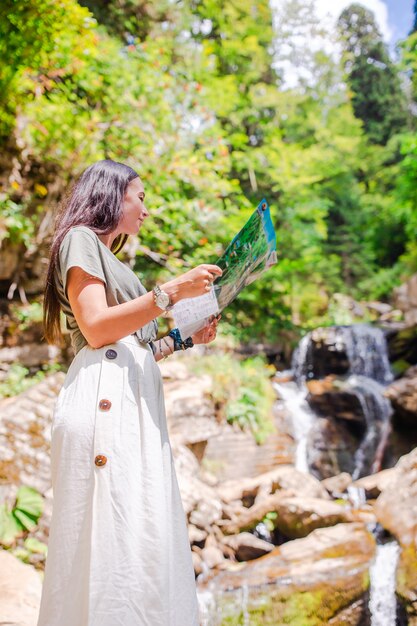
{"x":79,"y":248}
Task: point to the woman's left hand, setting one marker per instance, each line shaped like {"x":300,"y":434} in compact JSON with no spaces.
{"x":208,"y":333}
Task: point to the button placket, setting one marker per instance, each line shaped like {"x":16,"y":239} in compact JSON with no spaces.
{"x":103,"y":428}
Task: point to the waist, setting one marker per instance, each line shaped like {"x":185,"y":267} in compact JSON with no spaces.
{"x":134,"y":339}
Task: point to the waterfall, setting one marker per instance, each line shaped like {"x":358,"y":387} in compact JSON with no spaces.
{"x":382,"y":600}
{"x":367,"y":352}
{"x":364,"y":345}
{"x":377,"y":412}
{"x":358,"y":352}
{"x":302,"y":418}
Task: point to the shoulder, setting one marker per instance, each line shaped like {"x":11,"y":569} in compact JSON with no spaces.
{"x":79,"y":243}
{"x":79,"y":238}
{"x":82,"y":233}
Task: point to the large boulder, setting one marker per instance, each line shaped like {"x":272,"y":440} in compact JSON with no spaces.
{"x":293,"y":516}
{"x":403,"y":396}
{"x":322,"y":579}
{"x":337,"y":485}
{"x":331,"y":448}
{"x":396,"y":510}
{"x":283,"y":477}
{"x":331,"y":397}
{"x":405,"y":299}
{"x":20,"y":591}
{"x":402,"y":346}
{"x":374,"y":484}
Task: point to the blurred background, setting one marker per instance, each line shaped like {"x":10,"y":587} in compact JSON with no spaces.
{"x":289,"y":423}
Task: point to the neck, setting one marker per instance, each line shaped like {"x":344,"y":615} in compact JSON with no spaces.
{"x":107,"y":239}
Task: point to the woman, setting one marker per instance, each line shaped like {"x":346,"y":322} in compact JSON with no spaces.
{"x":118,"y":550}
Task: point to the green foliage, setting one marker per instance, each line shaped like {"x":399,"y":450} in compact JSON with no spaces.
{"x":18,"y":379}
{"x":242,"y":391}
{"x":268,"y":520}
{"x":189,"y":96}
{"x":31,"y":60}
{"x":14,"y":224}
{"x":27,"y":314}
{"x":377,"y":96}
{"x":22,"y":517}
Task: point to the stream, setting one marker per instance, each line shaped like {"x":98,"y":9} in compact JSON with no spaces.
{"x":366,"y":373}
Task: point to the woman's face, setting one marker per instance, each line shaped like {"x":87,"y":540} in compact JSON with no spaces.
{"x":134,"y":210}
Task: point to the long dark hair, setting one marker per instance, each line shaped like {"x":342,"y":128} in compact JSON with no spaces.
{"x":95,"y":201}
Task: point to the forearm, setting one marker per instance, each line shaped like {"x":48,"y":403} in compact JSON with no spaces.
{"x":163,"y":347}
{"x":112,"y":323}
{"x":102,"y":325}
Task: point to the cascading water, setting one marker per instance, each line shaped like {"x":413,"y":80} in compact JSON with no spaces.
{"x":366,"y":372}
{"x":377,"y":412}
{"x":364,"y":346}
{"x":367,"y":352}
{"x":302,"y":418}
{"x":382,"y":601}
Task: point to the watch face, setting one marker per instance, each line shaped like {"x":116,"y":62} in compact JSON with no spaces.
{"x":162,"y":300}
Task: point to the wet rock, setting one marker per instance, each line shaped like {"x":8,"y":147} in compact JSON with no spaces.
{"x":285,"y":477}
{"x":376,"y":483}
{"x":298,"y":517}
{"x":21,"y":588}
{"x":309,"y":581}
{"x":294,"y":516}
{"x":329,"y":397}
{"x":247,"y":547}
{"x":396,"y":510}
{"x":405,"y":299}
{"x":337,"y":485}
{"x":331,"y":448}
{"x":403,"y":396}
{"x":402,"y":347}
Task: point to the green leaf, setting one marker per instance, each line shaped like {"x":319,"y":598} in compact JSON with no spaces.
{"x":34,"y":545}
{"x":29,"y":501}
{"x":10,"y":528}
{"x":27,"y":521}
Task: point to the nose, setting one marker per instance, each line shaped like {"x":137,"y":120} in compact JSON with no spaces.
{"x":145,"y":211}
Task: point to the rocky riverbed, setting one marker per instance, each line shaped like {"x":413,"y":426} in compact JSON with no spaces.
{"x":270,"y":544}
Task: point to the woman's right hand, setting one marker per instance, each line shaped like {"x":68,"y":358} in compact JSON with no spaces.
{"x":195,"y":282}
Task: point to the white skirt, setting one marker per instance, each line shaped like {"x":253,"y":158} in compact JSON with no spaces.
{"x":118,"y":550}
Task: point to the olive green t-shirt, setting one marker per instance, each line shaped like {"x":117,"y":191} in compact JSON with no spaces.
{"x":82,"y":248}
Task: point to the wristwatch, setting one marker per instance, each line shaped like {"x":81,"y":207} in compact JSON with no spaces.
{"x":162,"y":299}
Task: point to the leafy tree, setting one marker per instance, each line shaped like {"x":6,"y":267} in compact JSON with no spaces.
{"x":30,"y":59}
{"x":190,"y":97}
{"x":377,"y":99}
{"x":415,"y":17}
